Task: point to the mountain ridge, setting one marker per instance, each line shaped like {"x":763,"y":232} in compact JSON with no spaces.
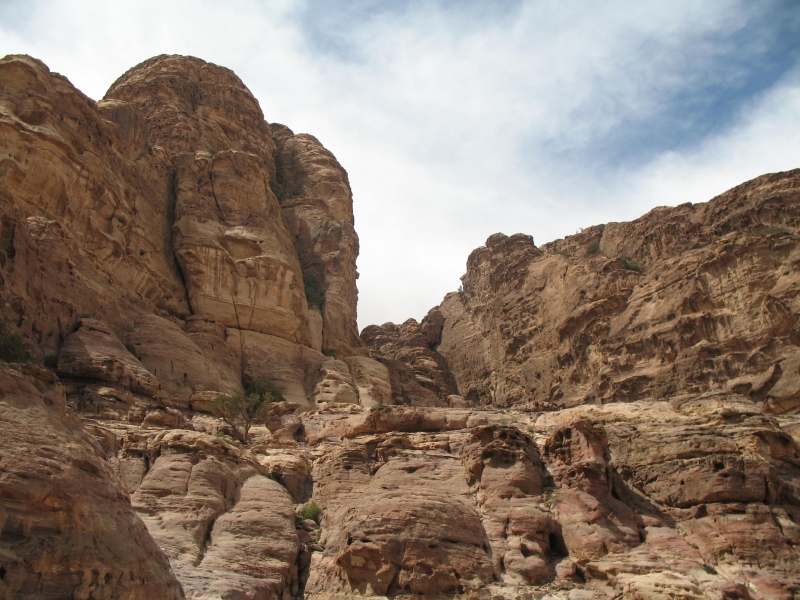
{"x":614,"y":414}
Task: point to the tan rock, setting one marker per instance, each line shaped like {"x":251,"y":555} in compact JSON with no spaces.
{"x":318,"y":206}
{"x":86,"y":228}
{"x":290,"y":470}
{"x":191,"y":105}
{"x":372,"y":380}
{"x":94,"y":352}
{"x":167,"y":418}
{"x":429,"y":381}
{"x":411,"y":528}
{"x":173,"y":357}
{"x":658,"y":307}
{"x":212,"y":339}
{"x":202,"y":401}
{"x":335,"y":384}
{"x":209,"y":508}
{"x":68,"y":527}
{"x":240,"y":265}
{"x":293,"y":367}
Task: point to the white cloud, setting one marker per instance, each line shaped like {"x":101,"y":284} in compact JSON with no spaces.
{"x":455,"y":123}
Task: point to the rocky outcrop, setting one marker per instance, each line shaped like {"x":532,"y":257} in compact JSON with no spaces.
{"x":83,"y":210}
{"x":318,"y":206}
{"x":227,"y":529}
{"x":234,"y":249}
{"x":610,"y":415}
{"x":623,"y":499}
{"x":684,"y":300}
{"x":68,"y":529}
{"x":420,"y":375}
{"x":93,"y":352}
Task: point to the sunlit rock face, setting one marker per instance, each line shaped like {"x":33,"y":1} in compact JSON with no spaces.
{"x":235,"y":251}
{"x":613,"y":415}
{"x":683,"y":300}
{"x":318,"y":206}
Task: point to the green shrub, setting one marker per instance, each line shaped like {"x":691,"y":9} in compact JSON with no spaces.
{"x":552,"y":497}
{"x":265,"y":389}
{"x":242,"y":412}
{"x":564,"y":252}
{"x":12,"y":347}
{"x":212,"y":151}
{"x":277,"y":189}
{"x":87,"y":315}
{"x":629,"y":263}
{"x":329,"y":352}
{"x":51,"y":361}
{"x":769,"y":230}
{"x":314,"y":294}
{"x":312,"y":511}
{"x":593,"y":248}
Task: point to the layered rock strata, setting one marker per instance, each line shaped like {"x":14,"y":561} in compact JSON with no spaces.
{"x":420,"y":375}
{"x":684,"y":300}
{"x":180,"y":165}
{"x":318,"y":206}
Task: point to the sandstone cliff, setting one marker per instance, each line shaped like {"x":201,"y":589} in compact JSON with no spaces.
{"x":609,"y":415}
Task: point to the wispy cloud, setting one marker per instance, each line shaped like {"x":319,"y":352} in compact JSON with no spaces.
{"x":459,"y":119}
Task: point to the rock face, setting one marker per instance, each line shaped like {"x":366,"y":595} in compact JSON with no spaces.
{"x":83,"y":210}
{"x":420,"y":375}
{"x":318,"y":206}
{"x":68,"y":529}
{"x":613,"y":415}
{"x":684,"y":300}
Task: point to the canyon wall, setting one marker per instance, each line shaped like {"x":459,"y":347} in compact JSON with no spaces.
{"x":609,"y":415}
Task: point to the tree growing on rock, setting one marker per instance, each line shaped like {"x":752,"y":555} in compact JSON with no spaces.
{"x":241,"y":412}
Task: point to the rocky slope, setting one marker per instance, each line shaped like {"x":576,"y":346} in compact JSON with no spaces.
{"x":610,"y":415}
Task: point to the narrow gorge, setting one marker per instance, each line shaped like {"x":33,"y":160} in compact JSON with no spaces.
{"x":611,"y":415}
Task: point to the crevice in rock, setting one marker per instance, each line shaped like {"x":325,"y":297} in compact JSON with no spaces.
{"x":174,"y":261}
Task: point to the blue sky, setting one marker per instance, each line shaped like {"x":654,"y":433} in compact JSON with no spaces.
{"x":458,"y":119}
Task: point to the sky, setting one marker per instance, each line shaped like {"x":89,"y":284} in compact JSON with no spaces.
{"x":457,"y":119}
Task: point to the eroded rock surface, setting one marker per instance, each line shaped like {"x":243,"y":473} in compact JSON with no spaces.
{"x":68,"y":529}
{"x":318,"y":206}
{"x":613,"y":415}
{"x":683,"y":300}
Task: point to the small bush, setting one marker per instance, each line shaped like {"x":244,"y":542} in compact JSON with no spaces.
{"x":12,"y":347}
{"x":212,"y":151}
{"x":564,"y":252}
{"x":51,"y":361}
{"x":314,"y":294}
{"x":265,"y":389}
{"x":329,"y":352}
{"x":312,"y":511}
{"x":629,"y":263}
{"x":593,"y":248}
{"x":769,"y":230}
{"x":552,"y":498}
{"x":242,"y":412}
{"x":87,"y":315}
{"x":277,"y":189}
